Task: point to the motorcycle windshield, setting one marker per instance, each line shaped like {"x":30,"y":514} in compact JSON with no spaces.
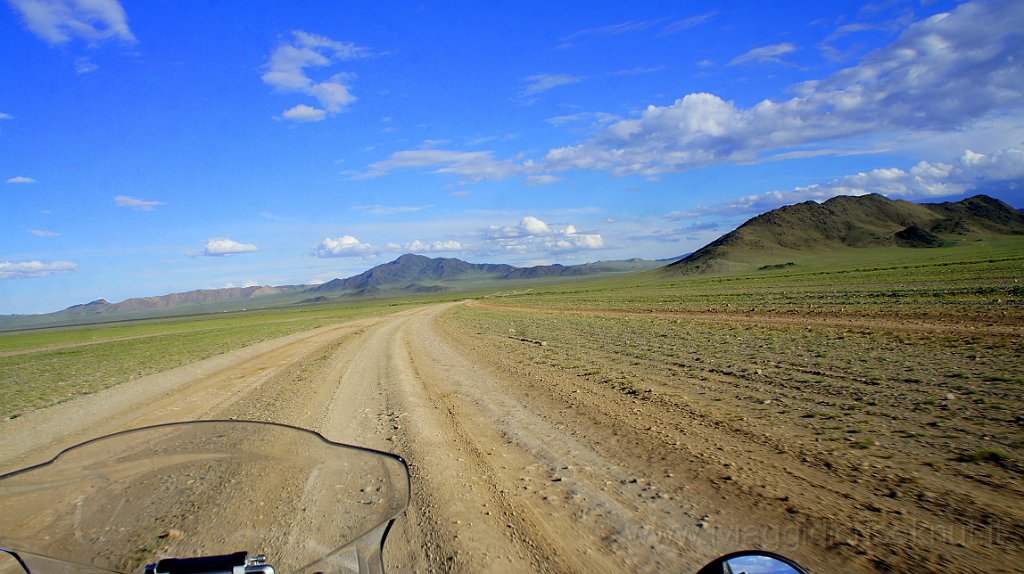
{"x":120,"y":502}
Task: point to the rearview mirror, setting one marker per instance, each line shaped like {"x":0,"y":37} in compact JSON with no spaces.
{"x":752,"y":562}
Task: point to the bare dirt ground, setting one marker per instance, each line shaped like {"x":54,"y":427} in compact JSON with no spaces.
{"x":522,"y":464}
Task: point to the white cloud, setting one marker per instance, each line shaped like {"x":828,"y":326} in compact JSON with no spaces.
{"x":606,"y":31}
{"x":764,"y":54}
{"x":542,"y":179}
{"x":21,"y":179}
{"x":4,"y":116}
{"x":688,"y":23}
{"x":136,"y":204}
{"x":944,"y":74}
{"x":544,"y":82}
{"x":344,"y":246}
{"x":42,"y":233}
{"x":533,"y":226}
{"x":972,"y":171}
{"x":304,"y":113}
{"x":85,"y":66}
{"x":418,"y":246}
{"x":29,"y":269}
{"x":377,"y":209}
{"x":287,"y":73}
{"x":955,"y":76}
{"x":222,"y":247}
{"x":58,"y":21}
{"x":473,"y":165}
{"x":533,"y":235}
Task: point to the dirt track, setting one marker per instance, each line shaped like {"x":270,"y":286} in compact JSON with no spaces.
{"x":511,"y":470}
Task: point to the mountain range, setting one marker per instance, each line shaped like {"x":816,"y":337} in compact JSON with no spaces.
{"x":768,"y":240}
{"x":409,"y":274}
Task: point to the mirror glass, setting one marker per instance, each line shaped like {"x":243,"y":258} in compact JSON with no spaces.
{"x":754,"y":564}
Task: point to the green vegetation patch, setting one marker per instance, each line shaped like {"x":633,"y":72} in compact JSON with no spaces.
{"x":48,"y":366}
{"x":981,"y":278}
{"x":985,"y":455}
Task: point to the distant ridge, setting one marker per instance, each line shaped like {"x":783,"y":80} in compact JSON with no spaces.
{"x":197,"y":296}
{"x":424,"y":274}
{"x":850,"y":222}
{"x":409,"y":274}
{"x":409,"y":269}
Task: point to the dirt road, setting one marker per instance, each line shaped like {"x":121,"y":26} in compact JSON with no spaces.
{"x":511,"y":470}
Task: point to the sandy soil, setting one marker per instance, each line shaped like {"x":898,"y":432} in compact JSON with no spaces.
{"x":516,"y":468}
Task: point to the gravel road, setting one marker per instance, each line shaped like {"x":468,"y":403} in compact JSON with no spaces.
{"x":511,"y":470}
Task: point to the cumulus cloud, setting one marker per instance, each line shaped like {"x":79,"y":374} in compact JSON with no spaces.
{"x":344,"y":246}
{"x":941,"y":74}
{"x":246,"y":283}
{"x":533,"y":226}
{"x":304,"y":113}
{"x":136,"y":204}
{"x":534,"y":235}
{"x":222,"y":247}
{"x":418,"y":246}
{"x":287,"y":73}
{"x":953,"y":73}
{"x":59,"y":21}
{"x":764,"y":54}
{"x":29,"y":269}
{"x":21,"y":179}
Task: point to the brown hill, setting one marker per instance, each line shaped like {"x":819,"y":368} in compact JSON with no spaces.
{"x":851,"y":222}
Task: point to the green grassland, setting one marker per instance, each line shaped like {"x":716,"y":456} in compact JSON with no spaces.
{"x":48,"y":366}
{"x":976,"y":279}
{"x":985,"y":276}
{"x":890,"y":352}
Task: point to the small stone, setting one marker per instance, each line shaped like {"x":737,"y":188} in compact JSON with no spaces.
{"x":172,"y":534}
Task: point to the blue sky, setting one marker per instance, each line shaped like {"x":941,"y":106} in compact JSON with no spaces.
{"x":148,"y":147}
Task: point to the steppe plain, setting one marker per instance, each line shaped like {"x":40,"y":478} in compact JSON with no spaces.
{"x":861,"y":414}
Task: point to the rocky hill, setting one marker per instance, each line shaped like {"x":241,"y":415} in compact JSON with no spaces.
{"x":851,"y":222}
